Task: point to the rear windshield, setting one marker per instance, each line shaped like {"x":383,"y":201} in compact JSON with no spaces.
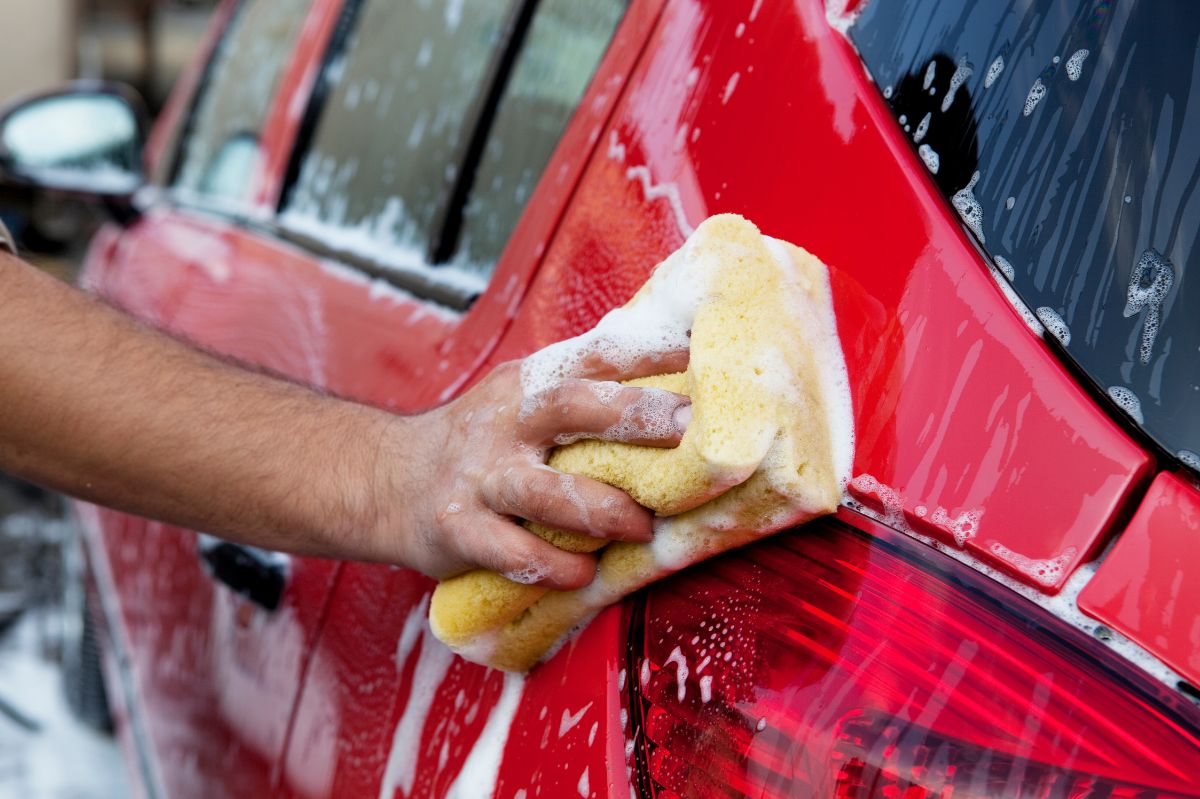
{"x":1067,"y":136}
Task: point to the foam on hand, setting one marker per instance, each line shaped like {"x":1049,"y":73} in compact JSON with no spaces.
{"x":769,"y":446}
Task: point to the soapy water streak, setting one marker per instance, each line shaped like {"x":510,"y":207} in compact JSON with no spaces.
{"x":962,"y":527}
{"x":932,"y":161}
{"x":650,"y":189}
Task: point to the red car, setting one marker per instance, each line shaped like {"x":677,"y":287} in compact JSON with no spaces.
{"x":386,"y":199}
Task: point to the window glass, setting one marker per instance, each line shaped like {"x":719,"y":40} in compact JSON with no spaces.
{"x":565,"y":43}
{"x":393,"y":126}
{"x":221,"y":145}
{"x":1067,"y":135}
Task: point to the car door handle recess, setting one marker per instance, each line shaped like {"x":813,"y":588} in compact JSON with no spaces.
{"x":259,"y":575}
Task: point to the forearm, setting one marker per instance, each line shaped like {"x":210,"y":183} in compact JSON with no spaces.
{"x":97,"y":406}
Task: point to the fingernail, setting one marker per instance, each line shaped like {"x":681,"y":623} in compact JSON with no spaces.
{"x":683,"y":417}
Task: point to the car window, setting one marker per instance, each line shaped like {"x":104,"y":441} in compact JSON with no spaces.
{"x":393,"y":126}
{"x":220,"y":145}
{"x":433,"y":122}
{"x":1067,"y":136}
{"x":566,"y":40}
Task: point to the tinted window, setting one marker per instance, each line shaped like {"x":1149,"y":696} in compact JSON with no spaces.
{"x":435,"y":122}
{"x":564,"y":46}
{"x":386,"y":150}
{"x":1067,"y":135}
{"x":222,"y":142}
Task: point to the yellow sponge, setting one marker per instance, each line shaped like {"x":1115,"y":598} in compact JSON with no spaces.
{"x":769,"y":444}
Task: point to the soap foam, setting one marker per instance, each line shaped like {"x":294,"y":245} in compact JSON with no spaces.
{"x":477,"y":778}
{"x":932,"y":160}
{"x":1043,"y":571}
{"x":993,"y":71}
{"x":1075,"y":64}
{"x":1036,"y":92}
{"x":1127,"y":401}
{"x":962,"y":71}
{"x":969,"y":208}
{"x":1055,"y":324}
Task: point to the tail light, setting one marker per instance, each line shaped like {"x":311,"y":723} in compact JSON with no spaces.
{"x":829,"y":663}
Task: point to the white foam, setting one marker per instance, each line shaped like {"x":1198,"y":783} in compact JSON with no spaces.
{"x":993,"y":71}
{"x":477,"y":779}
{"x":1018,"y":304}
{"x":963,"y":527}
{"x":969,"y":208}
{"x":583,"y":786}
{"x":1127,"y":401}
{"x":930,"y":74}
{"x":1005,"y":267}
{"x":530,"y":574}
{"x":1043,"y":571}
{"x":1149,"y":281}
{"x":1036,"y":92}
{"x":1075,"y":63}
{"x":414,"y":622}
{"x":1054,"y":323}
{"x":922,"y":128}
{"x":1189,"y":459}
{"x":962,"y":71}
{"x":1010,"y":202}
{"x":930,"y":157}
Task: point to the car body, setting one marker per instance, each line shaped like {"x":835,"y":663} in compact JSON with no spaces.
{"x":944,"y":626}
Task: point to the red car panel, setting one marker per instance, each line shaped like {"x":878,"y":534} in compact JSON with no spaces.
{"x":967,"y":424}
{"x":970,"y":431}
{"x":1149,"y":585}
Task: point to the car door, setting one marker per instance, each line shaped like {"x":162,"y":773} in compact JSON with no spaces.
{"x":211,"y":670}
{"x":385,"y":709}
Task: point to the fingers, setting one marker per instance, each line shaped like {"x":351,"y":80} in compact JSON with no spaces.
{"x":568,"y":502}
{"x":575,"y":409}
{"x":596,"y":366}
{"x":501,"y":546}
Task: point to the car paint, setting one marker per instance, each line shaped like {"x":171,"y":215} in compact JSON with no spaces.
{"x":698,"y":108}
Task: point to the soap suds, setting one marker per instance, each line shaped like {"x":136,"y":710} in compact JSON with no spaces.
{"x":1054,"y":323}
{"x":1036,"y":92}
{"x":706,"y":689}
{"x":1005,"y":267}
{"x":1127,"y":401}
{"x":1075,"y":64}
{"x":922,"y":128}
{"x":582,"y":786}
{"x":930,"y":157}
{"x":1014,"y":299}
{"x":930,"y":74}
{"x":962,"y":71}
{"x":530,"y":574}
{"x":993,"y":71}
{"x":1149,"y":281}
{"x":969,"y":208}
{"x":1047,"y":571}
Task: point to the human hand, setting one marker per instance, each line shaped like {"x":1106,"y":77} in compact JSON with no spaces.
{"x":454,"y":483}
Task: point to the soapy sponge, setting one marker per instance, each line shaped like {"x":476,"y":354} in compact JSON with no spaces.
{"x":769,"y":444}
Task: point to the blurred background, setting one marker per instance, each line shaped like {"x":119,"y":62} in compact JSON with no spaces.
{"x":55,"y":739}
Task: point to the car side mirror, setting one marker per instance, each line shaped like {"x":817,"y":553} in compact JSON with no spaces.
{"x":84,"y":139}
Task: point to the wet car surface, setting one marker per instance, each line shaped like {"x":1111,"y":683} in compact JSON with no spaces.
{"x":927,"y":639}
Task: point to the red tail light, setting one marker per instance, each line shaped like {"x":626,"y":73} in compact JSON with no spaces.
{"x":829,"y":663}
